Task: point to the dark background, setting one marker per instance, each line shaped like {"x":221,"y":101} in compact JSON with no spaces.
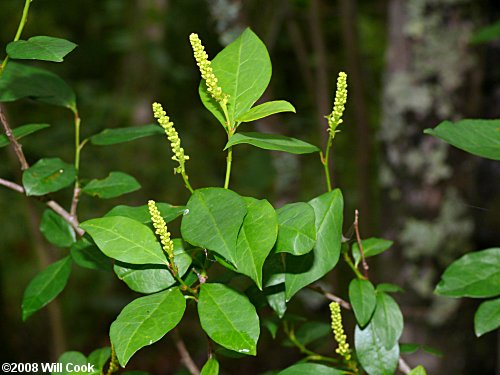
{"x":410,"y":65}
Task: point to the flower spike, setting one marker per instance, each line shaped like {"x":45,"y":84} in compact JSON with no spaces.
{"x":162,"y":231}
{"x":335,"y":118}
{"x":338,"y":330}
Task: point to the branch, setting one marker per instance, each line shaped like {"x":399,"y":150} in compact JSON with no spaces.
{"x":12,"y":185}
{"x":403,"y":366}
{"x":358,"y":238}
{"x":185,"y":356}
{"x":332,"y":297}
{"x":74,"y":201}
{"x":13,"y":141}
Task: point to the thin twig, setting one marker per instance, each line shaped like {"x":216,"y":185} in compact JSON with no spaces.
{"x":403,"y":366}
{"x":13,"y":141}
{"x":12,"y":185}
{"x":74,"y":201}
{"x":185,"y":356}
{"x":330,"y":296}
{"x":358,"y":238}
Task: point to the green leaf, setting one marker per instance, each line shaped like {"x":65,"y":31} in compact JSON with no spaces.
{"x":144,"y":321}
{"x":21,"y":81}
{"x":44,"y":48}
{"x":409,"y":348}
{"x":389,"y":288}
{"x":303,"y":270}
{"x":272,"y":323}
{"x":371,"y":246}
{"x":121,"y":135}
{"x":478,"y":137}
{"x":363,"y":300}
{"x":312,"y":331}
{"x":243,"y":70}
{"x":265,"y":110}
{"x":486,"y":33}
{"x":487,"y":317}
{"x":22,"y":131}
{"x":142,"y":215}
{"x":153,"y":278}
{"x":125,"y":240}
{"x":228,"y":318}
{"x":99,"y":357}
{"x":475,"y":274}
{"x":387,"y":320}
{"x":87,"y":255}
{"x":310,"y":369}
{"x":69,"y":361}
{"x":371,"y":353}
{"x":255,"y":239}
{"x":116,"y":184}
{"x":47,"y":176}
{"x":297,"y":232}
{"x":57,"y":230}
{"x":213,"y":219}
{"x":46,"y":286}
{"x":276,"y":298}
{"x":274,"y":142}
{"x":419,"y":370}
{"x":211,"y":367}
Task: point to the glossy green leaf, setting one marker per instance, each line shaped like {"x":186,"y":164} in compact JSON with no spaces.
{"x":99,"y":357}
{"x":389,"y":288}
{"x":22,"y":131}
{"x":116,"y":184}
{"x":243,"y":69}
{"x":310,"y":369}
{"x":265,"y":110}
{"x":479,"y":137}
{"x":256,"y":239}
{"x":371,"y":353}
{"x":371,"y":246}
{"x":122,"y":135}
{"x":228,"y":318}
{"x":69,"y":361}
{"x":148,"y":278}
{"x":487,"y":317}
{"x":21,"y":81}
{"x":44,"y":48}
{"x":305,"y":269}
{"x":125,"y":240}
{"x":45,"y":286}
{"x":273,"y":142}
{"x":276,"y":298}
{"x":211,"y":367}
{"x":47,"y":176}
{"x":312,"y":331}
{"x":87,"y":255}
{"x":409,"y":348}
{"x":213,"y":219}
{"x":57,"y":230}
{"x":297,"y":231}
{"x":486,"y":34}
{"x":144,"y":321}
{"x":419,"y":370}
{"x":387,"y":320}
{"x":363,"y":300}
{"x":142,"y":215}
{"x":475,"y":274}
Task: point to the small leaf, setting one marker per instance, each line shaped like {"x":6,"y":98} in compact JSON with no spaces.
{"x":486,"y":34}
{"x":121,"y":135}
{"x":419,"y":370}
{"x":47,"y":176}
{"x":265,"y":110}
{"x":475,"y":274}
{"x":116,"y":184}
{"x":371,"y":353}
{"x":144,"y":321}
{"x":56,"y":230}
{"x":409,"y":348}
{"x":363,"y":300}
{"x":297,"y":231}
{"x":272,"y":324}
{"x":125,"y":240}
{"x":211,"y":367}
{"x":142,"y":215}
{"x":44,"y":48}
{"x":389,"y":288}
{"x":87,"y":255}
{"x":487,"y":317}
{"x":310,"y":369}
{"x":312,"y":331}
{"x":99,"y":357}
{"x":387,"y":320}
{"x":22,"y":131}
{"x":69,"y":360}
{"x":46,"y":286}
{"x":274,"y":142}
{"x":371,"y":246}
{"x":228,"y":318}
{"x":479,"y":137}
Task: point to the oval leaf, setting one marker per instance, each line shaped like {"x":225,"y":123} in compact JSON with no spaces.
{"x":487,"y":317}
{"x":475,"y":274}
{"x":142,"y":215}
{"x":310,"y":369}
{"x":57,"y":230}
{"x":228,"y":318}
{"x":211,"y":367}
{"x":363,"y":300}
{"x":213,"y":219}
{"x":265,"y":110}
{"x":121,"y":135}
{"x":144,"y":321}
{"x":44,"y":48}
{"x":125,"y":240}
{"x":47,"y":176}
{"x":22,"y":131}
{"x":387,"y":320}
{"x":116,"y":184}
{"x":297,"y":231}
{"x":274,"y":142}
{"x":46,"y":286}
{"x":371,"y":246}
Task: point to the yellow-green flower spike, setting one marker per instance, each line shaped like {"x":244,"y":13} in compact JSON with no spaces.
{"x":206,"y":70}
{"x":173,"y":137}
{"x":162,"y":231}
{"x":338,"y":331}
{"x":335,"y":118}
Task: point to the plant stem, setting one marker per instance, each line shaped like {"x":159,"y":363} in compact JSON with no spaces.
{"x":349,"y":262}
{"x":186,"y":358}
{"x":330,"y":296}
{"x":230,"y":131}
{"x":13,"y":141}
{"x":360,"y":245}
{"x":18,"y":33}
{"x":325,"y":160}
{"x":186,"y":181}
{"x":78,"y":148}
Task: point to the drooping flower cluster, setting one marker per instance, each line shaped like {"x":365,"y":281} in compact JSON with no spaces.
{"x":338,"y":331}
{"x":173,"y":137}
{"x":162,"y":231}
{"x":335,"y":118}
{"x":206,"y":70}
